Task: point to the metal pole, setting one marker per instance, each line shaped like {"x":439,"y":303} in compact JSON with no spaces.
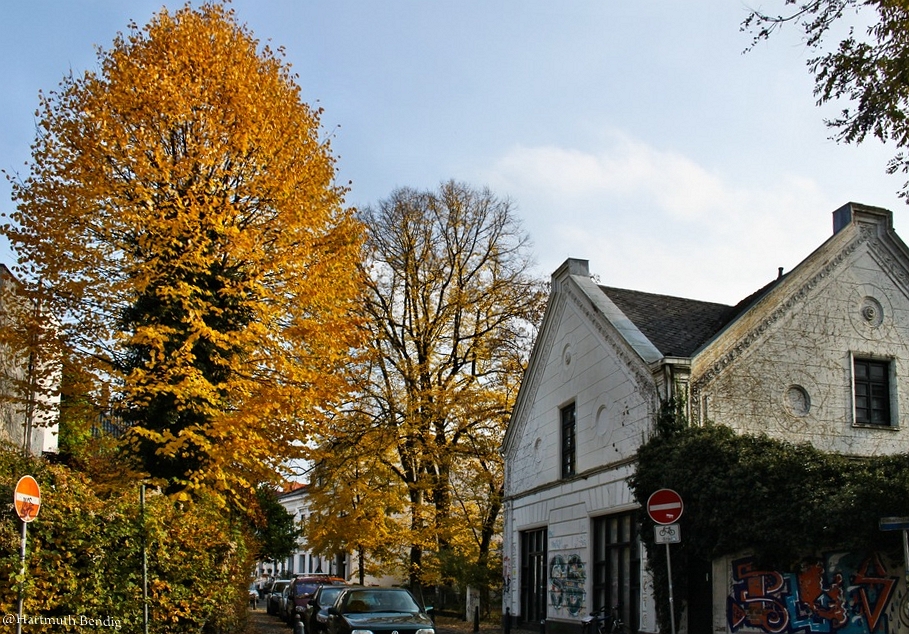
{"x":144,"y":561}
{"x":671,"y":600}
{"x":906,"y":554}
{"x":22,"y":574}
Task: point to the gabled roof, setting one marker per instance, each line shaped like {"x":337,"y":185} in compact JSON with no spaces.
{"x":677,"y":326}
{"x":291,"y":488}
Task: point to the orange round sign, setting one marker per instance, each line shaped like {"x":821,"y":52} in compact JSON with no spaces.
{"x":27,"y":498}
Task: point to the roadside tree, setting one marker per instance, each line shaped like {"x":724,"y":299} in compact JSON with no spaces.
{"x":275,"y":529}
{"x":451,"y":309}
{"x":182,"y":220}
{"x":356,"y":500}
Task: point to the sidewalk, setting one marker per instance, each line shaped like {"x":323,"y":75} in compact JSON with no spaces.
{"x":261,"y":622}
{"x":448,"y":625}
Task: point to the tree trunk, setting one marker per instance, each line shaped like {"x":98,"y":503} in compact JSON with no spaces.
{"x":361,"y":565}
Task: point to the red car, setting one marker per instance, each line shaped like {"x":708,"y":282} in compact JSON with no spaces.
{"x":301,"y":591}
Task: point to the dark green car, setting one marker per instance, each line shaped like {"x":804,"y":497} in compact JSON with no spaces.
{"x":378,"y":611}
{"x":315,"y":618}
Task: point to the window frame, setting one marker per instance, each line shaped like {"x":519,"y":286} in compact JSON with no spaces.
{"x":568,"y":435}
{"x":616,"y":553}
{"x":534,"y":579}
{"x":859,"y":417}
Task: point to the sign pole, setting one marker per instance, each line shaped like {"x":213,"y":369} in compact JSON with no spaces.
{"x":27,"y":502}
{"x":664,"y":506}
{"x":671,"y":600}
{"x":21,"y":573}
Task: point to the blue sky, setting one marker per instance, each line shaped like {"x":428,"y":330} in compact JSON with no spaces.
{"x":636,"y":135}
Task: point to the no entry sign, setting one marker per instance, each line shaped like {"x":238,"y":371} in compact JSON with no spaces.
{"x":664,"y":506}
{"x":27,"y":498}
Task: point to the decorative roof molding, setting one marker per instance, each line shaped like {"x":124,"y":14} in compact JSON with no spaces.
{"x":893,"y":266}
{"x":865,"y":233}
{"x":575,"y":293}
{"x":530,"y":385}
{"x":642,"y":376}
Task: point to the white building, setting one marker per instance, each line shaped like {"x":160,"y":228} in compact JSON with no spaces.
{"x":819,"y":355}
{"x":295,"y":500}
{"x":28,"y":381}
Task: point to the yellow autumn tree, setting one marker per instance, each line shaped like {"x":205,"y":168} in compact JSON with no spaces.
{"x":356,"y":502}
{"x":451,"y":308}
{"x":182,"y":220}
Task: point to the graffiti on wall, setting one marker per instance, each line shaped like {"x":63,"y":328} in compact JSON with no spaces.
{"x":566,"y":583}
{"x":841,"y":594}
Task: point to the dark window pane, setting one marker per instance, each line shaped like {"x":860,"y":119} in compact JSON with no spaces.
{"x":872,"y":391}
{"x":533,"y":576}
{"x":617,"y":565}
{"x":568,"y":440}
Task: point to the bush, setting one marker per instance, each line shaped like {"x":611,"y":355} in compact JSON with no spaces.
{"x":777,"y":500}
{"x":84,"y":555}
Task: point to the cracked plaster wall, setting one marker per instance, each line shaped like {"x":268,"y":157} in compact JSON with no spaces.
{"x":794,"y":381}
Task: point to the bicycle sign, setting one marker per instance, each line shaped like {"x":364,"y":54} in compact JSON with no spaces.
{"x":668,"y":534}
{"x":664,"y":506}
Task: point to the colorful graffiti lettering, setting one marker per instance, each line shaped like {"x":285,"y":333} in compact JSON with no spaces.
{"x":845,"y":594}
{"x":566,"y":583}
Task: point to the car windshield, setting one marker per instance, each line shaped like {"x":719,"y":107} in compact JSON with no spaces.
{"x":328,"y":594}
{"x":305,"y":588}
{"x":374,"y":601}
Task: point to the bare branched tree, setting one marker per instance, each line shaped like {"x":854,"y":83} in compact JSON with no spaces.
{"x":452,"y":307}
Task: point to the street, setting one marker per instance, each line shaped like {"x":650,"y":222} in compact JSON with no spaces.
{"x":260,"y":622}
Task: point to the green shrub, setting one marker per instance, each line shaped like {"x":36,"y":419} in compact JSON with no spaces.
{"x":779,"y":501}
{"x":84,"y":555}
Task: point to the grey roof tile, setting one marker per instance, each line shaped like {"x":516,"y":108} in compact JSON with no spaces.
{"x":678,"y":327}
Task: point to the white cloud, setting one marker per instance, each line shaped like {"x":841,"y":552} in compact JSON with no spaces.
{"x":656,"y":220}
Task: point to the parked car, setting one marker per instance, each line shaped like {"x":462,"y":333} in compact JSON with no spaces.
{"x":315,"y":616}
{"x":286,"y":609}
{"x":274,"y":596}
{"x":300,"y":592}
{"x":378,"y":610}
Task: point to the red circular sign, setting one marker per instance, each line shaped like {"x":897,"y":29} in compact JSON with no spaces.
{"x":27,"y":498}
{"x":664,"y":506}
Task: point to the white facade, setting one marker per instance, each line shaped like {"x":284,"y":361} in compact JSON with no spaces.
{"x":28,"y":415}
{"x":786,"y":369}
{"x":785,"y":362}
{"x":296,"y":502}
{"x":580,"y":359}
